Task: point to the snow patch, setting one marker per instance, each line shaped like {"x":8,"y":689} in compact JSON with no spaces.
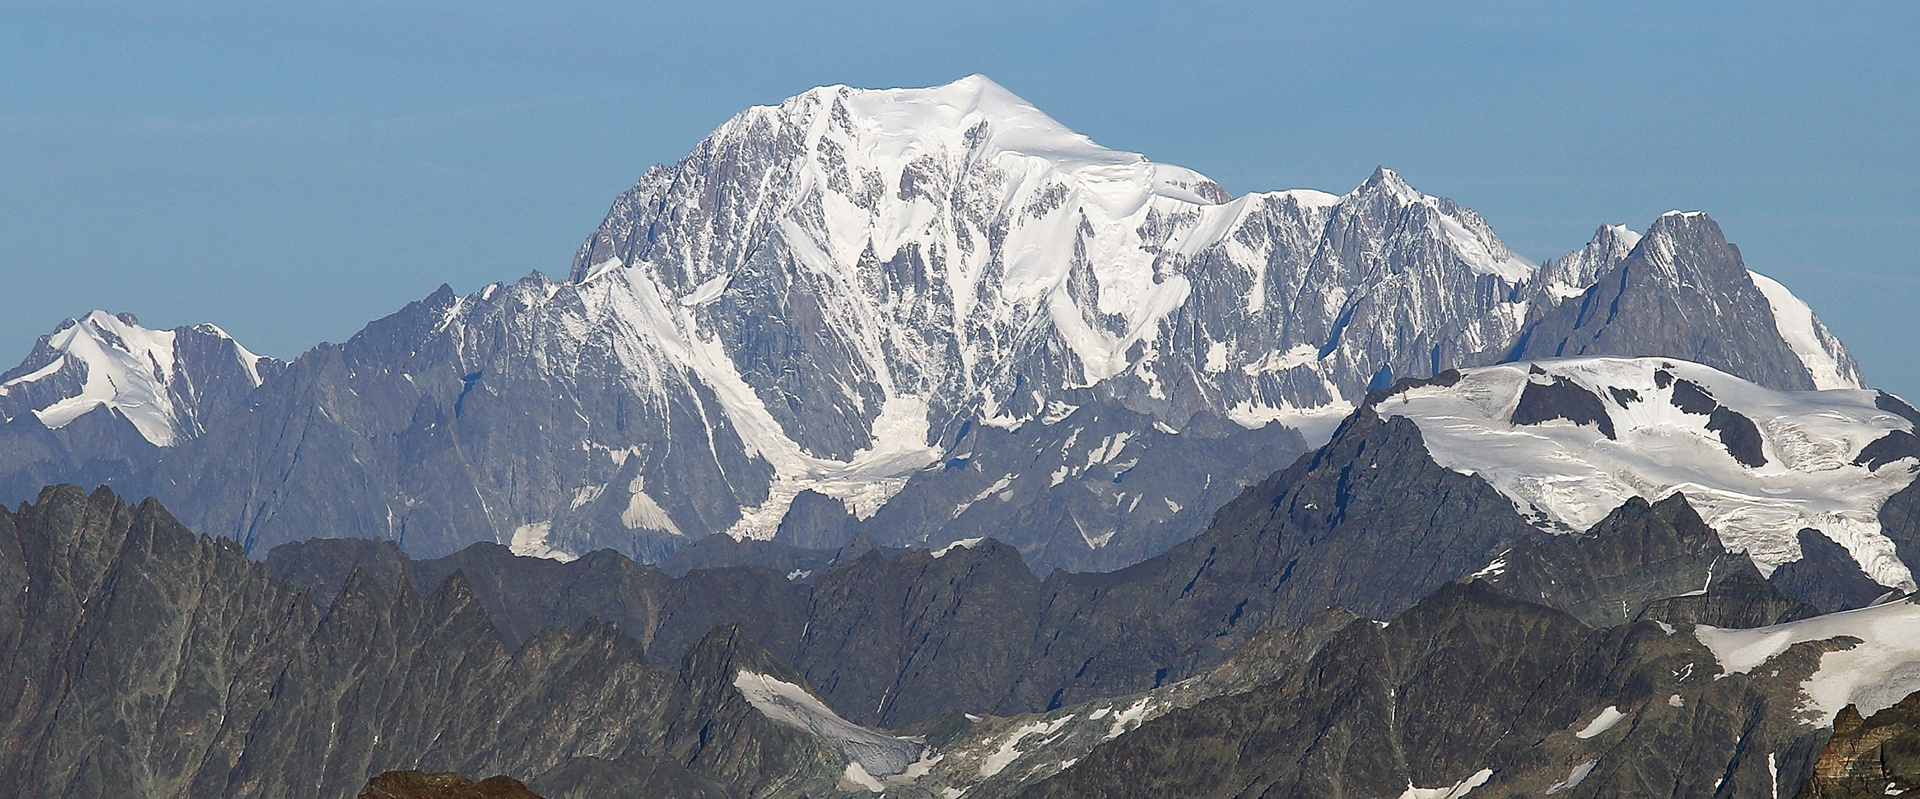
{"x":1573,"y":779}
{"x":1608,"y":717}
{"x":1454,"y":791}
{"x":964,"y":543}
{"x":877,"y":755}
{"x":1008,"y":752}
{"x":530,"y":541}
{"x":643,"y":513}
{"x":1874,"y":675}
{"x":1817,"y":349}
{"x":707,"y":292}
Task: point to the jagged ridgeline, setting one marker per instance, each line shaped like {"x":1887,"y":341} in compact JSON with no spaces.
{"x":919,"y":315}
{"x":160,"y":663}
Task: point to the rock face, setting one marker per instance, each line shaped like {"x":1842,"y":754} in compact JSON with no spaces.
{"x":1871,"y":757}
{"x":1682,"y":292}
{"x":1637,"y":557}
{"x":1369,"y":524}
{"x":935,"y":308}
{"x":445,"y":785}
{"x":152,"y":662}
{"x":1473,"y":690}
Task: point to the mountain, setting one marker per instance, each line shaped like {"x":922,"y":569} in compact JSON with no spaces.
{"x":99,"y":397}
{"x":1875,"y":756}
{"x":1682,"y":291}
{"x":152,"y":662}
{"x":1569,"y":440}
{"x":1474,"y":692}
{"x":925,"y":316}
{"x":1370,"y":523}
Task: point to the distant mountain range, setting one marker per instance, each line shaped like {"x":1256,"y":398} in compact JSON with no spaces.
{"x":919,"y":315}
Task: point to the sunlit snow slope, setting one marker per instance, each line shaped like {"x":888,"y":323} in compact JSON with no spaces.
{"x":160,"y":380}
{"x":1569,"y":440}
{"x":1875,"y":671}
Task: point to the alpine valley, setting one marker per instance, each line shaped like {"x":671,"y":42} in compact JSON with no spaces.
{"x":906,"y":443}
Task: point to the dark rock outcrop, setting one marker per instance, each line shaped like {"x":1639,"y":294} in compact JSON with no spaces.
{"x":153,"y":662}
{"x":1683,"y":292}
{"x":1826,"y":576}
{"x":1473,"y":687}
{"x":1876,"y":756}
{"x":444,"y":785}
{"x":1561,"y":399}
{"x":1639,"y":556}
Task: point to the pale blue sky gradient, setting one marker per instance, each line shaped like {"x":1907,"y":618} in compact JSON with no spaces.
{"x":291,"y":171}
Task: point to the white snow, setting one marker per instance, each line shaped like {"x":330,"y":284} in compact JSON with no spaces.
{"x":1807,"y":337}
{"x":1495,"y":568}
{"x":964,"y":543}
{"x":1216,"y":357}
{"x":786,"y":703}
{"x":643,"y":512}
{"x":707,"y":292}
{"x":128,"y":368}
{"x":1874,"y":675}
{"x":859,"y":776}
{"x":1316,"y":425}
{"x":1008,"y":752}
{"x":1608,"y":717}
{"x":530,"y":541}
{"x":1573,"y":779}
{"x":1576,"y":476}
{"x":1454,"y":791}
{"x":1131,"y":717}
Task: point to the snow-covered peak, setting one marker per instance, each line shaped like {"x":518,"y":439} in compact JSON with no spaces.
{"x":897,"y":122}
{"x":1388,"y":183}
{"x":1570,"y":276}
{"x":157,"y":379}
{"x":1569,"y":440}
{"x":1471,"y":239}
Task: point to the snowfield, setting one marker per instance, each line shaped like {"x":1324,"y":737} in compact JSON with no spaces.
{"x":1574,"y":474}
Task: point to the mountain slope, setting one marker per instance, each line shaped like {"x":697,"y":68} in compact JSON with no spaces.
{"x":99,"y":398}
{"x":153,"y":662}
{"x":1472,"y":692}
{"x":1683,"y":292}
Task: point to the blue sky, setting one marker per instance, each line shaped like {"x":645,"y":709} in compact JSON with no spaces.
{"x":291,"y":171}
